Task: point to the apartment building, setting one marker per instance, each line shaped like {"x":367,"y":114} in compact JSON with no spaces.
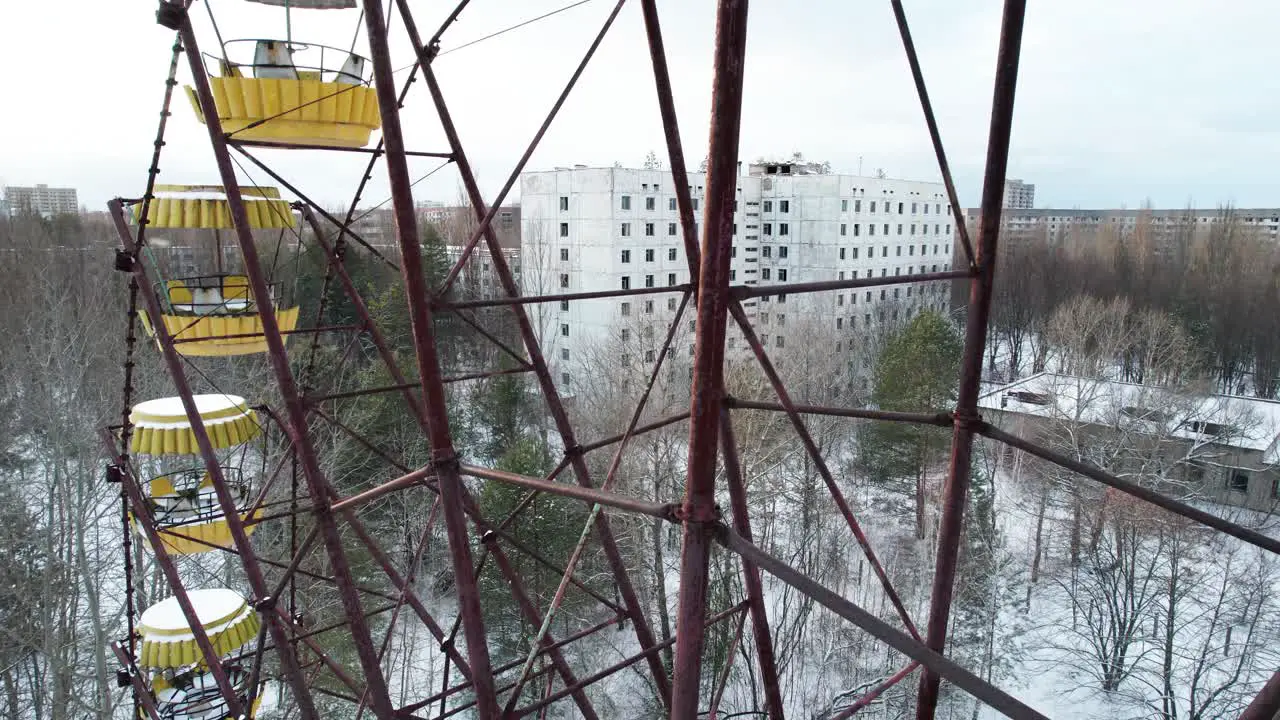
{"x":41,"y":199}
{"x":1058,"y":225}
{"x":1019,"y":195}
{"x":599,"y":229}
{"x":457,"y":224}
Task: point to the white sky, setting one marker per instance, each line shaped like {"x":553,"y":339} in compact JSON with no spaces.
{"x":1118,"y":101}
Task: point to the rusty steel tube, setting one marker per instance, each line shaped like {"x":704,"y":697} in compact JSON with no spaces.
{"x":956,"y":490}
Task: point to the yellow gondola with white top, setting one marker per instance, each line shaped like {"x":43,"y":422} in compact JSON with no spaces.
{"x":288,"y":92}
{"x":215,"y":313}
{"x":183,"y":687}
{"x":182,"y":499}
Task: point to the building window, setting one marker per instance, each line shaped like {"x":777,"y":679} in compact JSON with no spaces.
{"x":886,"y":228}
{"x":844,"y":229}
{"x":900,"y":208}
{"x":733,"y":274}
{"x":768,"y":206}
{"x":564,"y":203}
{"x":564,"y":229}
{"x":564,"y":379}
{"x":671,"y":303}
{"x":767,"y":251}
{"x":671,"y":228}
{"x":671,"y":203}
{"x":857,"y":206}
{"x":626,"y":229}
{"x":841,"y":275}
{"x":783,"y":229}
{"x":564,"y":254}
{"x":842,"y":255}
{"x":648,"y":281}
{"x":695,"y":204}
{"x":648,"y":310}
{"x":648,"y":356}
{"x":782,"y":251}
{"x":855,"y":253}
{"x":839,"y":302}
{"x":564,"y":329}
{"x":648,"y":255}
{"x":648,"y":230}
{"x":913,"y":228}
{"x":913,"y":208}
{"x":626,"y":202}
{"x":873,"y":206}
{"x":899,"y":228}
{"x":564,"y":280}
{"x":626,"y":282}
{"x":564,"y":353}
{"x":650,"y":203}
{"x":782,"y":319}
{"x":671,"y":278}
{"x":782,"y":274}
{"x":626,"y":256}
{"x":844,"y":206}
{"x":671,"y":253}
{"x":937,"y":209}
{"x":871,"y":230}
{"x":733,"y":251}
{"x":626,"y":308}
{"x":564,"y":306}
{"x":781,"y":341}
{"x":765,"y":274}
{"x":768,"y":228}
{"x":1239,"y":481}
{"x":784,"y":206}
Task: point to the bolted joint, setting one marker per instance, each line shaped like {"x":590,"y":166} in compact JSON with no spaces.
{"x":123,"y":678}
{"x":299,"y":619}
{"x":114,"y":474}
{"x":265,"y":605}
{"x":124,"y":260}
{"x":433,"y":50}
{"x":446,"y":463}
{"x":171,"y":15}
{"x":968,"y":420}
{"x":574,"y":452}
{"x":489,"y":537}
{"x":697,"y":514}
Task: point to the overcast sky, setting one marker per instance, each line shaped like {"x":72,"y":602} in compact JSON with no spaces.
{"x":1118,"y":101}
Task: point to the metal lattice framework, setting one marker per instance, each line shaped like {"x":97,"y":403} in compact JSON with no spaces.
{"x":336,"y":529}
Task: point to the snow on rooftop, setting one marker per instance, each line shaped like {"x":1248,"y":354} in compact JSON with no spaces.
{"x":1243,"y":422}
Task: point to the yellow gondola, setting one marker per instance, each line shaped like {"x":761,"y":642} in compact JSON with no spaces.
{"x":216,"y":314}
{"x":295,"y":93}
{"x":178,"y":674}
{"x":183,"y":503}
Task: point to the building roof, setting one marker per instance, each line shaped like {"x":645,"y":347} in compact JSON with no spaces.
{"x":1230,"y":420}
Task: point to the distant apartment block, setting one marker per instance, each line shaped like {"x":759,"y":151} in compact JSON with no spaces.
{"x":600,"y":229}
{"x":1019,"y":195}
{"x":1062,"y":225}
{"x":457,"y":224}
{"x":41,"y":200}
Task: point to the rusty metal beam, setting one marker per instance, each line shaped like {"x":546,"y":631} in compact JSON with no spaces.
{"x":640,"y":622}
{"x":292,"y":398}
{"x":956,"y":490}
{"x":699,"y":512}
{"x":898,"y":640}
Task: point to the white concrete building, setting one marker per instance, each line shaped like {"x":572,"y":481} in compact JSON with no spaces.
{"x":596,"y":229}
{"x":41,"y":199}
{"x":1019,"y":195}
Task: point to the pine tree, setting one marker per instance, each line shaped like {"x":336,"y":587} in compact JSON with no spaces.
{"x":917,"y":372}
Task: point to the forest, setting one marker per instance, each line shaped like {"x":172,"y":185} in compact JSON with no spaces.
{"x":1084,"y":603}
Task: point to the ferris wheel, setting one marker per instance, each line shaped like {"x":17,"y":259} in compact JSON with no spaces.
{"x":292,"y":550}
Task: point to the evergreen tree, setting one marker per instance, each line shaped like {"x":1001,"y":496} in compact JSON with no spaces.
{"x":917,"y":372}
